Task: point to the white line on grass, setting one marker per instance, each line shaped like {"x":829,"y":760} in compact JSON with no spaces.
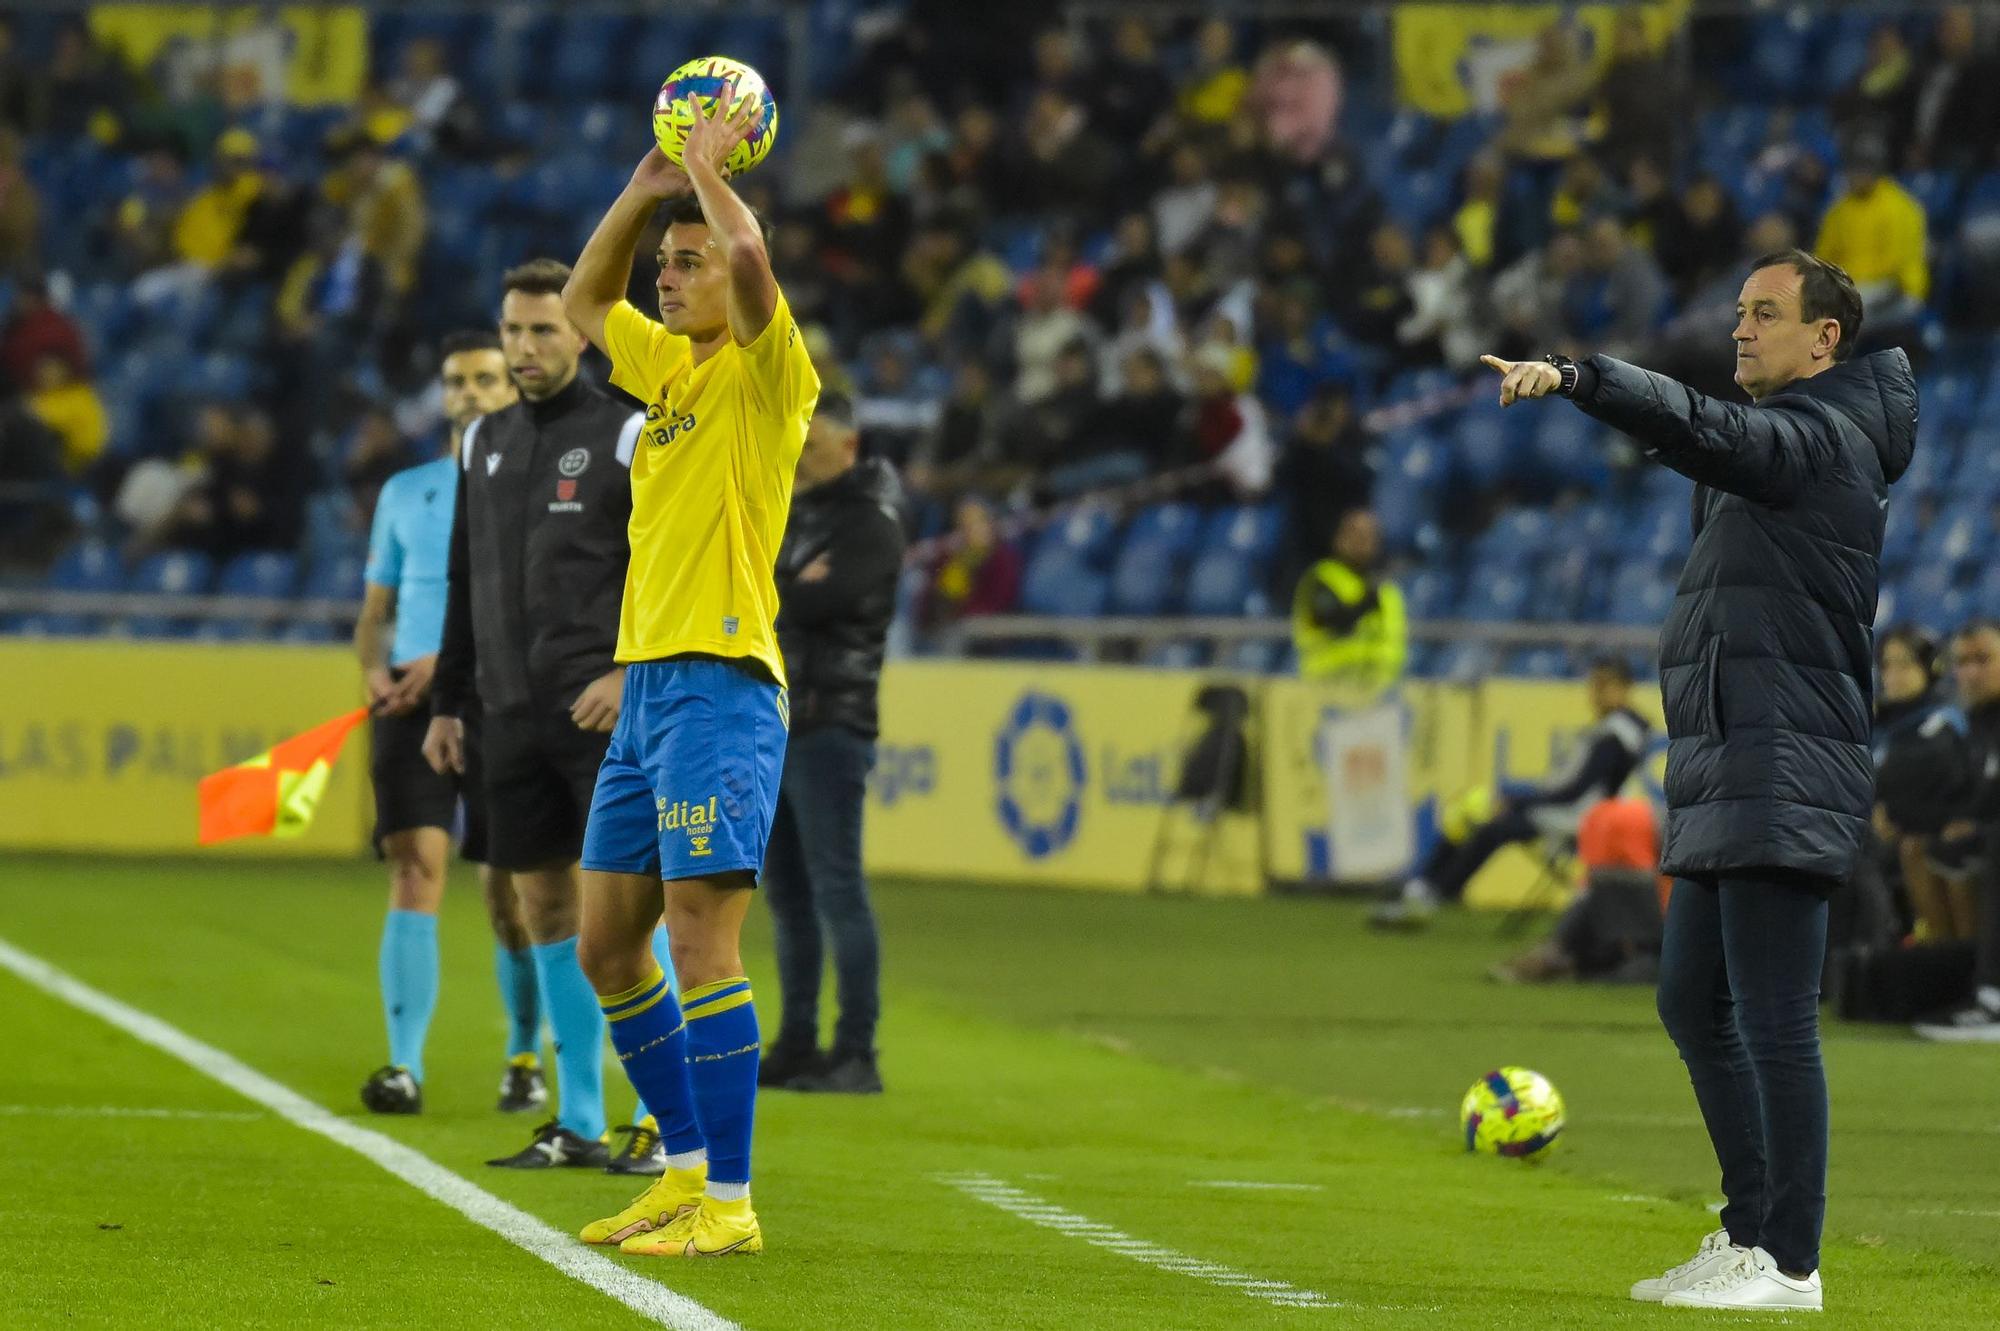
{"x":565,"y":1253}
{"x":128,"y":1111}
{"x":1253,"y":1185}
{"x":995,"y":1192}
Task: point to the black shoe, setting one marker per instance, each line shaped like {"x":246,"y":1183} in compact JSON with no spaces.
{"x":522,"y":1088}
{"x":556,"y":1147}
{"x":784,"y":1063}
{"x":641,"y":1152}
{"x":392,"y":1090}
{"x":844,"y":1073}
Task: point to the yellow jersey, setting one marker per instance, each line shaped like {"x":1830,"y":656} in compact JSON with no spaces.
{"x":711,"y":485}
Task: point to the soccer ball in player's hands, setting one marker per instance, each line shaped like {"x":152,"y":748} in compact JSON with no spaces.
{"x":695,"y":93}
{"x":1512,"y":1112}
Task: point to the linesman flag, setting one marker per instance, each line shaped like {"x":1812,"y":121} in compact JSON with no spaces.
{"x":277,"y":792}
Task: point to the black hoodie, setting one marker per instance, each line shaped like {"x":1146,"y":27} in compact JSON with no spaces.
{"x":832,"y":628}
{"x":1767,"y":657}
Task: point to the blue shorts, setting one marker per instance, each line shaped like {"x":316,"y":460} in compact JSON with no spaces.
{"x":689,"y":785}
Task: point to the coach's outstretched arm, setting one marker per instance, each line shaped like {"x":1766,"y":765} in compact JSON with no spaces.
{"x":1764,"y":453}
{"x":604,"y":269}
{"x":753,"y":291}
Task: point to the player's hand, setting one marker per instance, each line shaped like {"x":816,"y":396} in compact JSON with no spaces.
{"x":381,"y":689}
{"x":597,"y":706}
{"x":444,"y":745}
{"x":817,"y":570}
{"x":1524,"y":378}
{"x":414,"y":685}
{"x":711,"y":139}
{"x":657,"y":176}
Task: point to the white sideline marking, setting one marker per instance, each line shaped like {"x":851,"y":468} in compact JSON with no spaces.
{"x":1253,"y":1185}
{"x":995,"y":1192}
{"x":127,"y":1111}
{"x":1971,"y":1215}
{"x":562,"y":1251}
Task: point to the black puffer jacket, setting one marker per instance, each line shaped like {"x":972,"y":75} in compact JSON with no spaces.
{"x":1766,"y":659}
{"x":831,"y":628}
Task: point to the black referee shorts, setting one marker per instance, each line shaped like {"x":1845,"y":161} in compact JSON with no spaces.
{"x":540,"y":771}
{"x":408,"y":794}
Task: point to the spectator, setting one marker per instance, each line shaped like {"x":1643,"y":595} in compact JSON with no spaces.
{"x":1325,"y":473}
{"x":64,"y":400}
{"x":1584,"y":193}
{"x":251,"y":494}
{"x":1378,"y":301}
{"x":384,"y":205}
{"x":1612,"y":932}
{"x":37,"y":331}
{"x":205,"y":235}
{"x":976,"y":163}
{"x":34,"y":519}
{"x":1529,"y":296}
{"x":1348,"y":622}
{"x":141,"y":232}
{"x":1062,"y":166}
{"x":1615,"y":301}
{"x":1128,"y":91}
{"x":1301,"y":352}
{"x":1229,"y":428}
{"x":1445,"y":304}
{"x":1047,"y":432}
{"x":894,"y":409}
{"x":1148,"y":324}
{"x":915,"y":133}
{"x":1183,"y":210}
{"x":376,"y":451}
{"x":865,"y":218}
{"x":1543,"y":107}
{"x":961,"y":288}
{"x":18,"y":92}
{"x":1215,"y":87}
{"x":1923,"y":776}
{"x":1230,"y":244}
{"x":1143,"y":427}
{"x":964,"y":446}
{"x":1479,"y":823}
{"x":20,"y":209}
{"x":438,"y":113}
{"x":1876,"y":232}
{"x":1131,"y":266}
{"x":1642,"y":99}
{"x":1699,"y":236}
{"x":1047,"y":327}
{"x":980,"y":573}
{"x":1477,"y":219}
{"x":1296,"y":93}
{"x":1880,"y":101}
{"x":1956,"y":100}
{"x":1976,"y":662}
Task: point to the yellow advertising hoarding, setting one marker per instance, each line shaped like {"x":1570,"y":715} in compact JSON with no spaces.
{"x":101,"y":743}
{"x":1452,"y":59}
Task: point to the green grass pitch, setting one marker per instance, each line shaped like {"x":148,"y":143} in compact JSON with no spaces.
{"x":1110,"y":1057}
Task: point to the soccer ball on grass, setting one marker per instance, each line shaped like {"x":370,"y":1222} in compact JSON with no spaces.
{"x":703,"y":80}
{"x":1512,"y":1112}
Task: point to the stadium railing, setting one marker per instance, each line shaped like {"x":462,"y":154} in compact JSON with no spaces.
{"x":1094,"y":638}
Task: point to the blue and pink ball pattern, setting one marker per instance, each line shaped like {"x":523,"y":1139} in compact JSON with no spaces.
{"x":1512,"y":1112}
{"x":703,"y":80}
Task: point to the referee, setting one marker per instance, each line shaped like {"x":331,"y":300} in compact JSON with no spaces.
{"x":537,"y":570}
{"x":836,"y":574}
{"x":1766,"y":667}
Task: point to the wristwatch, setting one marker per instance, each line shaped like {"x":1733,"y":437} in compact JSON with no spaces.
{"x":1567,"y":369}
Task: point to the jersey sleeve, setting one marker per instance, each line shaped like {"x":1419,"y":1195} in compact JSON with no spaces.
{"x":385,"y":552}
{"x":643,"y":353}
{"x":777,"y":368}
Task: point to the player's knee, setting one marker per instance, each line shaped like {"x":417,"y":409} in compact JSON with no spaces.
{"x":415,"y":885}
{"x":612,"y":965}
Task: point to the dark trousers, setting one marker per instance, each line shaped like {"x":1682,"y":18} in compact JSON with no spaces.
{"x":1452,"y":864}
{"x":1739,"y":994}
{"x":813,"y":881}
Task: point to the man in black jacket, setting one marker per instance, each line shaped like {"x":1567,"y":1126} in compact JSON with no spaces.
{"x":836,"y":574}
{"x":537,"y":574}
{"x":1766,"y":666}
{"x":1976,"y":662}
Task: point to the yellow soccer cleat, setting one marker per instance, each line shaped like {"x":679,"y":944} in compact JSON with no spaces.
{"x":675,"y":1197}
{"x":717,"y":1229}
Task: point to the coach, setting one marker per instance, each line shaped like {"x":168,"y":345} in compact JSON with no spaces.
{"x":1766,"y":670}
{"x":836,"y":575}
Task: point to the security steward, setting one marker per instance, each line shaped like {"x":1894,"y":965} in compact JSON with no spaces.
{"x":1348,"y":622}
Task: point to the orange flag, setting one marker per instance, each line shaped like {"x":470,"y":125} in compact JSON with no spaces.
{"x":275,"y":793}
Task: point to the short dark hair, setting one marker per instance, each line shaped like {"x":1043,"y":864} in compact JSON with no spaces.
{"x":685,"y":209}
{"x":468,"y":339}
{"x":536,"y":277}
{"x":835,"y":406}
{"x":1825,"y":292}
{"x":1923,"y":645}
{"x":1617,"y":667}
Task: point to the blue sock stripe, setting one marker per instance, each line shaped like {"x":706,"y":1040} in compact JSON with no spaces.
{"x":644,"y":1000}
{"x":693,"y":1006}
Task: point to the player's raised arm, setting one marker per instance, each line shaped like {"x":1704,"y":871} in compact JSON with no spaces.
{"x":602,"y":271}
{"x":753,"y":291}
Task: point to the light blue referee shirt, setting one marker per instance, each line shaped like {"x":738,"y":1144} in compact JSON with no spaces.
{"x":409,"y":552}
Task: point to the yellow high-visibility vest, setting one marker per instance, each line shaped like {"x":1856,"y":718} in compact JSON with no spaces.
{"x":1370,"y":656}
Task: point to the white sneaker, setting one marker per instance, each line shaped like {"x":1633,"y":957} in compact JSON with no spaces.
{"x":1753,"y":1283}
{"x":1715,"y":1254}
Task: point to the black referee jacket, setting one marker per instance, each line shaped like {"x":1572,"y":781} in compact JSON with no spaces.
{"x":538,"y":553}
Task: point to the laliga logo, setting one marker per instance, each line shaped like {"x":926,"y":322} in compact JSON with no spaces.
{"x":1039,"y":768}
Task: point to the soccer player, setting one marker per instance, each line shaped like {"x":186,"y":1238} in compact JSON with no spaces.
{"x":690,"y":783}
{"x":415,"y":806}
{"x":538,"y":554}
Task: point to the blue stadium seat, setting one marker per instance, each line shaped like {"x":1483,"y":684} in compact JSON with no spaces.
{"x":1495,"y":596}
{"x":1569,"y":452}
{"x":335,"y":579}
{"x":1639,"y":595}
{"x":1480,"y":451}
{"x":1174,"y":526}
{"x":1563,"y":590}
{"x":1262,"y":656}
{"x":1429,"y":593}
{"x":87,"y":566}
{"x":169,"y":573}
{"x":1540,"y":663}
{"x":1087,"y":532}
{"x":268,"y":574}
{"x":1057,"y":583}
{"x":1516,"y":540}
{"x":1145,"y":578}
{"x":1464,"y":662}
{"x":1251,"y":529}
{"x":1223,"y":581}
